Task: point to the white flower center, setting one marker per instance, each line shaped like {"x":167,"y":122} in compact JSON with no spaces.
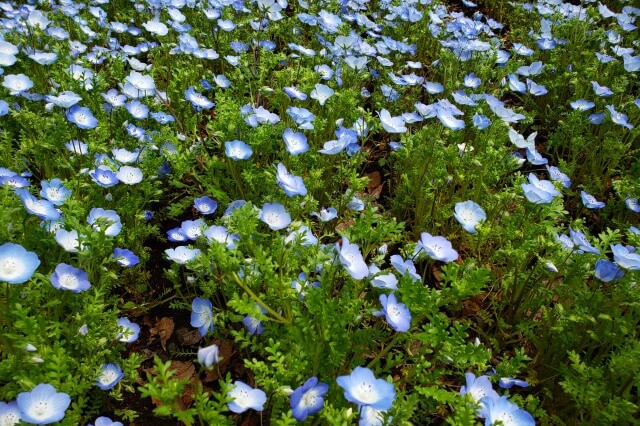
{"x":69,"y":281}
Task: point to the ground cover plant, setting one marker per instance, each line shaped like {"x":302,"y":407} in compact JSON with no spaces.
{"x":365,"y":212}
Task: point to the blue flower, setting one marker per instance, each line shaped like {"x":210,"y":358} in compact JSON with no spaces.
{"x":106,"y":221}
{"x":129,"y":175}
{"x":404,"y":267}
{"x":237,"y":150}
{"x":81,"y":117}
{"x":351,"y":259}
{"x":55,"y":191}
{"x":607,"y":271}
{"x":392,"y":124}
{"x":590,"y":201}
{"x":397,"y":314}
{"x":275,"y":215}
{"x":508,"y":382}
{"x":17,"y":83}
{"x":9,"y":413}
{"x":17,"y":265}
{"x":295,"y":93}
{"x":253,"y":324}
{"x":202,"y":315}
{"x":104,"y":176}
{"x":290,"y":184}
{"x":469,"y":215}
{"x":109,"y":376}
{"x":505,"y":412}
{"x":632,"y":204}
{"x":438,"y":248}
{"x":582,"y":105}
{"x":182,"y":254}
{"x":581,"y":241}
{"x":308,"y":399}
{"x":205,"y":205}
{"x":602,"y":91}
{"x":626,"y":257}
{"x":478,"y":388}
{"x":556,"y":175}
{"x":137,"y":109}
{"x":106,"y":421}
{"x":245,"y":397}
{"x":43,"y":405}
{"x":44,"y":209}
{"x":362,"y":388}
{"x":209,"y":355}
{"x":198,"y":100}
{"x":539,"y":191}
{"x":321,"y":93}
{"x":296,"y":143}
{"x":326,"y":215}
{"x":125,"y":257}
{"x":129,"y":331}
{"x":66,"y":277}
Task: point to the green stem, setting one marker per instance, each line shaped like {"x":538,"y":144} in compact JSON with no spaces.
{"x":386,"y":349}
{"x":259,"y":301}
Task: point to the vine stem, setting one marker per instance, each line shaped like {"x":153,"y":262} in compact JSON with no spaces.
{"x":386,"y":350}
{"x":259,"y":301}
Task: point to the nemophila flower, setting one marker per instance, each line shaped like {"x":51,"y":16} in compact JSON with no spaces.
{"x":66,"y":99}
{"x":625,"y":256}
{"x":508,"y":383}
{"x":209,"y":355}
{"x":81,"y":117}
{"x":516,"y":85}
{"x":308,"y":399}
{"x":77,"y":147}
{"x":205,"y":205}
{"x":500,"y":410}
{"x":392,"y":124}
{"x":295,"y":93}
{"x":221,"y":235}
{"x":198,"y":100}
{"x":137,"y":109}
{"x":14,"y":181}
{"x":182,"y":254}
{"x":105,"y":421}
{"x":177,"y":235}
{"x":351,"y":259}
{"x":17,"y":265}
{"x":596,"y":119}
{"x":534,"y":157}
{"x":631,"y":63}
{"x":140,"y":81}
{"x":397,"y":314}
{"x":129,"y":175}
{"x":68,"y":240}
{"x":114,"y":98}
{"x":125,"y":156}
{"x":162,"y":117}
{"x":632,"y":204}
{"x":471,"y":81}
{"x":109,"y":376}
{"x":302,"y":234}
{"x":66,"y":277}
{"x":104,"y":176}
{"x":362,"y":388}
{"x":618,"y":117}
{"x":469,"y":214}
{"x":125,"y":257}
{"x":437,"y":248}
{"x":556,"y":175}
{"x":582,"y":105}
{"x":295,"y":142}
{"x":302,"y":117}
{"x":9,"y":413}
{"x":326,"y":214}
{"x":580,"y":240}
{"x":481,"y":121}
{"x":237,"y":150}
{"x":17,"y":83}
{"x":404,"y":267}
{"x":202,"y":315}
{"x":371,"y":417}
{"x":245,"y":397}
{"x":44,"y":209}
{"x":156,"y":27}
{"x":539,"y":191}
{"x":590,"y":201}
{"x":54,"y":191}
{"x":275,"y":215}
{"x":601,"y":91}
{"x":193,"y":228}
{"x":129,"y":331}
{"x":42,"y":405}
{"x":253,"y":325}
{"x":290,"y":184}
{"x":106,"y":221}
{"x":321,"y":93}
{"x":607,"y":271}
{"x":433,"y":88}
{"x":478,"y":388}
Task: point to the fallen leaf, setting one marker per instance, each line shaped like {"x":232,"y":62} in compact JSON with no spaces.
{"x":164,"y":329}
{"x":188,"y":337}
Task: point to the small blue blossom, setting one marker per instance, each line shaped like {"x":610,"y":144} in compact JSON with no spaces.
{"x":362,"y":388}
{"x":202,"y":315}
{"x":308,"y":399}
{"x":109,"y":376}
